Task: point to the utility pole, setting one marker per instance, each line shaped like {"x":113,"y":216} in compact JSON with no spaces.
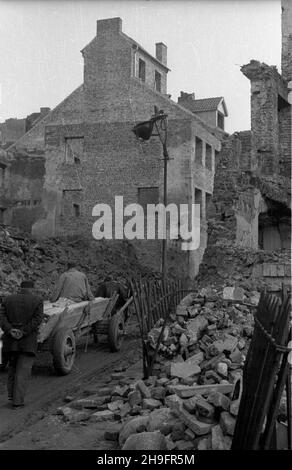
{"x":144,"y":131}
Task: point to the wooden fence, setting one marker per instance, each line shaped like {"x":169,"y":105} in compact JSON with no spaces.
{"x":266,"y":373}
{"x":154,"y":300}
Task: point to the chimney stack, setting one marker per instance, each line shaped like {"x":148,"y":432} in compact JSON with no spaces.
{"x":161,"y":52}
{"x":185,"y":97}
{"x":109,"y":26}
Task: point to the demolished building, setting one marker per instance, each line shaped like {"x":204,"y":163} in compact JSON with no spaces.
{"x":84,"y":152}
{"x":250,"y":222}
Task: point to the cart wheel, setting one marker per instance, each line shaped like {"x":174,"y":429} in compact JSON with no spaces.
{"x":115,"y":332}
{"x":64,"y":351}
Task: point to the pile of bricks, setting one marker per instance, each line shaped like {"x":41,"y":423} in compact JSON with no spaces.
{"x":190,"y":401}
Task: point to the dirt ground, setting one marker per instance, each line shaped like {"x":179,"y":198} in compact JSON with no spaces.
{"x":37,"y":426}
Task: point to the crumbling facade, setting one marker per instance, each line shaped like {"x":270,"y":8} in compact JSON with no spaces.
{"x":251,"y":215}
{"x":90,"y":154}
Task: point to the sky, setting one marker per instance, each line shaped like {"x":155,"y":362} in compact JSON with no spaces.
{"x":207,"y":40}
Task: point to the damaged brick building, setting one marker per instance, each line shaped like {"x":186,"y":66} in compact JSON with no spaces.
{"x":250,"y":222}
{"x":84,"y":151}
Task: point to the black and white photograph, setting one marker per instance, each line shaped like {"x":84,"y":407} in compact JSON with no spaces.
{"x":145,"y":230}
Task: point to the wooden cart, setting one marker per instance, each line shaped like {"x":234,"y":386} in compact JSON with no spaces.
{"x":65,"y":322}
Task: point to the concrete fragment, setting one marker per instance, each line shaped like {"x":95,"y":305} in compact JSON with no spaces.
{"x":234,"y":407}
{"x":121,"y":391}
{"x":184,"y":369}
{"x":145,"y":392}
{"x":171,"y":399}
{"x":218,"y":442}
{"x":134,"y":398}
{"x":145,"y":441}
{"x":196,"y":327}
{"x":181,"y":311}
{"x":233,"y":293}
{"x":112,"y":432}
{"x":198,"y":427}
{"x":227,"y":422}
{"x":185,"y":391}
{"x":222,"y":369}
{"x":133,"y":426}
{"x":99,"y":416}
{"x":124,"y":410}
{"x":184,"y":445}
{"x":219,"y":400}
{"x":203,"y":444}
{"x":188,"y":300}
{"x":158,"y":393}
{"x":236,"y":356}
{"x":159,"y":419}
{"x":170,"y":445}
{"x":204,"y":408}
{"x":150,"y":403}
{"x":71,"y":415}
{"x":178,"y":430}
{"x":212,"y":375}
{"x":115,"y":405}
{"x":190,"y":404}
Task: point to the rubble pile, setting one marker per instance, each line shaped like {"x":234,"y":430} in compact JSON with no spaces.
{"x":44,"y":260}
{"x":226,"y":264}
{"x":192,"y":398}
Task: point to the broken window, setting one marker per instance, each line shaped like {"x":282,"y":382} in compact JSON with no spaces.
{"x":76,"y":210}
{"x":198,"y":200}
{"x":199,"y":151}
{"x":209,"y":205}
{"x":220,"y":120}
{"x":157,"y":81}
{"x":74,"y":150}
{"x":208,"y":162}
{"x":275,"y":227}
{"x":142,"y":70}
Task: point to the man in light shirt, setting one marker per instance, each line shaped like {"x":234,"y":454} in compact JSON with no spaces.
{"x":73,"y":285}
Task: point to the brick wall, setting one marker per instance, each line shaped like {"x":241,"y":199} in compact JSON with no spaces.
{"x":113,"y":161}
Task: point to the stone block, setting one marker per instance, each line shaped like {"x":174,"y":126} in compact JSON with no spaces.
{"x":145,"y":441}
{"x":133,"y":426}
{"x":150,"y":403}
{"x":219,"y":400}
{"x":99,"y":416}
{"x":227,"y":422}
{"x":144,"y":390}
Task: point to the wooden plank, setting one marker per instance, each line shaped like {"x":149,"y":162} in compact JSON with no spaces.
{"x":186,"y":391}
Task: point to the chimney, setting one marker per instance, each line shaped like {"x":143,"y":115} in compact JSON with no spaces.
{"x":109,"y":26}
{"x":45,"y":111}
{"x":161,"y":52}
{"x":185,"y":97}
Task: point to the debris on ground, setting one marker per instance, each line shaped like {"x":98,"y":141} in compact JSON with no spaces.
{"x":190,"y":401}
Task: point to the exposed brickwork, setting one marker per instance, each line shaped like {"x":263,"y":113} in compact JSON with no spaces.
{"x":250,"y":222}
{"x":287,"y":39}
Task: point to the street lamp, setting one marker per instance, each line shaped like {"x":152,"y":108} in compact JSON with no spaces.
{"x":144,"y":130}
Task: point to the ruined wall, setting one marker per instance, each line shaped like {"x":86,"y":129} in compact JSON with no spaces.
{"x":11,"y":130}
{"x":24,"y":193}
{"x":287,"y":39}
{"x":285,"y":144}
{"x":112,"y":161}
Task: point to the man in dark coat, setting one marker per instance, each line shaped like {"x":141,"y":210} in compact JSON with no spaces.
{"x":20,"y":316}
